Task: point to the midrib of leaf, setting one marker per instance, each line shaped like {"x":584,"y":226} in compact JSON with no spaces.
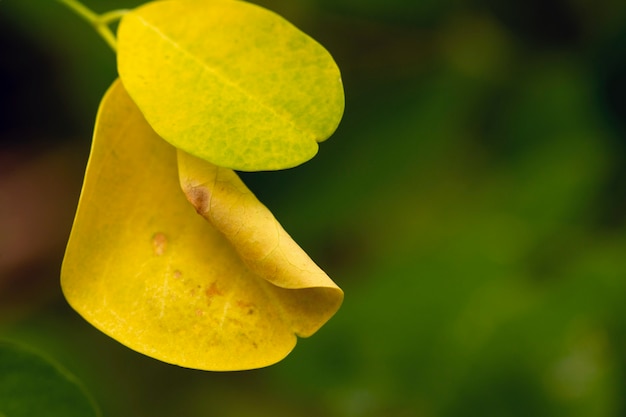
{"x":226,"y":80}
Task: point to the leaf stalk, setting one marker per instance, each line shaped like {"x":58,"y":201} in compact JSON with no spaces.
{"x":100,"y":22}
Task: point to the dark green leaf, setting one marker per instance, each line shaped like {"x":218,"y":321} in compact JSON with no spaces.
{"x":32,"y":386}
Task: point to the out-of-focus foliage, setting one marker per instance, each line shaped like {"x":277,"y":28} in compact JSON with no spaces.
{"x":471,"y":205}
{"x":30,"y":385}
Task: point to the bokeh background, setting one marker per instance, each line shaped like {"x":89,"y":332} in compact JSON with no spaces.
{"x":472,"y":205}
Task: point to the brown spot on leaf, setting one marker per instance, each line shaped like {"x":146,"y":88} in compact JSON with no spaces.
{"x":246,"y":306}
{"x":198,"y":196}
{"x":212,"y":291}
{"x":177,"y":274}
{"x":159,"y":243}
{"x":194,"y":291}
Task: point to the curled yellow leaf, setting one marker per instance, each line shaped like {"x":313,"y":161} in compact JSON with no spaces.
{"x":220,"y":196}
{"x":143,"y":267}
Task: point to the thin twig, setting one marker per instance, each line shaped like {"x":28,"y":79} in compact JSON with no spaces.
{"x":99,"y":22}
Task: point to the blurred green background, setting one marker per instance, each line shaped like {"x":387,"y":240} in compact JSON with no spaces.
{"x":472,"y":205}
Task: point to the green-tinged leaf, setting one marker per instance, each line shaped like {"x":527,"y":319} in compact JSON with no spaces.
{"x":30,"y":385}
{"x":142,"y":266}
{"x":230,"y":82}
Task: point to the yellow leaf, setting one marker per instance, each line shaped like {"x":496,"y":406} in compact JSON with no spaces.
{"x":230,"y":82}
{"x":262,"y":244}
{"x":142,"y":266}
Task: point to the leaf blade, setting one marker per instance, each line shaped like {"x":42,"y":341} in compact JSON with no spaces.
{"x":145,"y":269}
{"x":230,"y":82}
{"x":219,"y":195}
{"x":31,"y":385}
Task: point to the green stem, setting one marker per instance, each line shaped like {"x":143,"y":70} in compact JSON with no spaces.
{"x":112,"y":16}
{"x":100,"y":22}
